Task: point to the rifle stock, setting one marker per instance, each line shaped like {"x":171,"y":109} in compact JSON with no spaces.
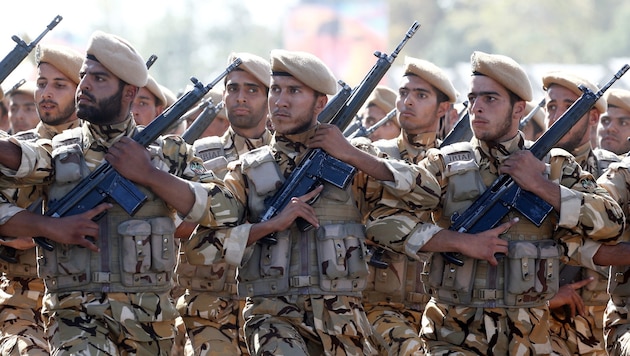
{"x":317,"y":166}
{"x":105,"y":184}
{"x":21,"y":50}
{"x":504,"y":194}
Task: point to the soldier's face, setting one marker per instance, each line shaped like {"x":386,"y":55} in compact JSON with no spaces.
{"x":245,"y":100}
{"x":145,"y":107}
{"x":417,"y":105}
{"x":558,"y":100}
{"x":492,"y":117}
{"x":22,"y":112}
{"x":99,"y":95}
{"x":54,"y":96}
{"x":292,"y":105}
{"x":614,"y":130}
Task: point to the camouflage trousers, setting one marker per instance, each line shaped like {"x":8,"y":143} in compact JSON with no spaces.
{"x":396,"y":329}
{"x":461,"y":330}
{"x":82,"y":323}
{"x":214,"y":324}
{"x":307,"y":325}
{"x":580,"y":335}
{"x":22,"y":327}
{"x":617,"y":327}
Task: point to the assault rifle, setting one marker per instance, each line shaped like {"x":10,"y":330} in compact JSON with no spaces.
{"x":202,"y":122}
{"x":530,"y":115}
{"x":461,"y":131}
{"x":335,"y":104}
{"x":317,"y":166}
{"x":21,"y":50}
{"x":504,"y":194}
{"x":105,"y":184}
{"x":364,"y":132}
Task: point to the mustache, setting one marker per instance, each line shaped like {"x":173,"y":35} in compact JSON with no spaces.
{"x":47,"y":101}
{"x":88,"y":94}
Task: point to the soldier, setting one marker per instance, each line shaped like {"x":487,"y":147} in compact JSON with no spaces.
{"x":304,"y":291}
{"x":149,"y":103}
{"x":380,"y":102}
{"x":22,"y":108}
{"x":22,"y":291}
{"x":494,"y":303}
{"x":614,"y":124}
{"x":582,"y":289}
{"x":211,"y":308}
{"x":394,"y":299}
{"x":112,"y":296}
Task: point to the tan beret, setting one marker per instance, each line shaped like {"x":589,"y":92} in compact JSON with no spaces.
{"x":619,"y":98}
{"x":539,"y":116}
{"x":28,"y":88}
{"x":571,"y":82}
{"x":383,"y":97}
{"x":168,"y":95}
{"x":156,"y":90}
{"x":254,"y":65}
{"x":433,"y":74}
{"x":306,"y":68}
{"x":66,"y":60}
{"x":119,"y":57}
{"x":504,"y":70}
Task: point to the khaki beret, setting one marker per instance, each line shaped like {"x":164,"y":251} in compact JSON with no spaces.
{"x":168,"y":95}
{"x":383,"y":97}
{"x":119,"y":57}
{"x":254,"y":65}
{"x":156,"y":90}
{"x":306,"y":68}
{"x":619,"y":98}
{"x":432,"y":74}
{"x":539,"y":116}
{"x":65,"y":59}
{"x":571,"y":82}
{"x":504,"y":70}
{"x":28,"y":88}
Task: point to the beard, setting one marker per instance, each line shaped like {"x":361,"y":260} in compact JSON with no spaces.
{"x":572,"y":140}
{"x":63,"y":116}
{"x":499,"y":131}
{"x":103,"y":111}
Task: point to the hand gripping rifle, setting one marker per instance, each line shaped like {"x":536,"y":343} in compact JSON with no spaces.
{"x":21,"y":50}
{"x":105,"y":184}
{"x":504,"y":194}
{"x":317,"y":166}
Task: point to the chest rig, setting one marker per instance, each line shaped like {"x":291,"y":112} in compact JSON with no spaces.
{"x":527,"y":276}
{"x":328,"y":260}
{"x":137,"y":253}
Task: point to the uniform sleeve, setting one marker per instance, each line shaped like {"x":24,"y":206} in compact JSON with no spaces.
{"x":35,"y":166}
{"x":586,"y":207}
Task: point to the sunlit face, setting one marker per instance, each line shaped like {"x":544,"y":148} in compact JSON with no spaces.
{"x":492,"y":117}
{"x":22,"y":112}
{"x":417,"y":105}
{"x":100,"y":95}
{"x":614,"y":130}
{"x":557,"y":100}
{"x":245,"y":100}
{"x":145,"y":107}
{"x":55,"y":96}
{"x":293,"y":106}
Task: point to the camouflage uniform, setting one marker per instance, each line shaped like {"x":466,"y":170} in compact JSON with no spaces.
{"x":477,"y":308}
{"x":295,"y":304}
{"x":116,"y":300}
{"x":584,"y":335}
{"x":21,"y":291}
{"x":210,"y":307}
{"x":616,"y":326}
{"x":394,"y":298}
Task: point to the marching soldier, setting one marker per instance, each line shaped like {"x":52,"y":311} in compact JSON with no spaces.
{"x":211,"y":309}
{"x":614,"y":124}
{"x":22,"y":108}
{"x":380,"y":102}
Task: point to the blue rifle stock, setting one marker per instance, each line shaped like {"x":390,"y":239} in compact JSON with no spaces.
{"x":504,"y":194}
{"x":21,"y":50}
{"x":318,"y":166}
{"x":106,"y":184}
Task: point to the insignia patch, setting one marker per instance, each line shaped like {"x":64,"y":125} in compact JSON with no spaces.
{"x":588,"y":184}
{"x":197,"y":167}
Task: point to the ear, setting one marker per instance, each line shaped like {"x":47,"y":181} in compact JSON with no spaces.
{"x":443,"y":108}
{"x":320,"y":103}
{"x":518,"y":110}
{"x":130,"y":92}
{"x":593,"y":117}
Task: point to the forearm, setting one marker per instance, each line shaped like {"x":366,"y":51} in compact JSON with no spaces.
{"x":173,"y":190}
{"x":11,"y":156}
{"x":371,"y":165}
{"x":548,"y":191}
{"x":26,"y":223}
{"x":613,"y":255}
